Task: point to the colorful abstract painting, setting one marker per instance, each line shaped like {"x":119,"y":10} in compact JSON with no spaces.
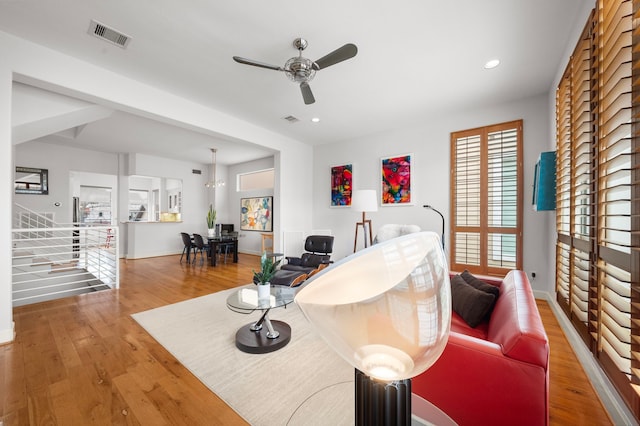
{"x":256,"y":214}
{"x":396,"y":180}
{"x":341,"y":184}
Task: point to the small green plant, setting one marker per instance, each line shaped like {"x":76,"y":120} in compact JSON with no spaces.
{"x":211,"y":217}
{"x":267,"y":269}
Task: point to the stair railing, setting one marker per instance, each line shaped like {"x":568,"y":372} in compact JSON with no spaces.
{"x":51,"y":261}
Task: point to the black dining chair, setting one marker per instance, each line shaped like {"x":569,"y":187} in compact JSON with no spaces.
{"x":199,"y":246}
{"x":225,"y":246}
{"x":188,"y":246}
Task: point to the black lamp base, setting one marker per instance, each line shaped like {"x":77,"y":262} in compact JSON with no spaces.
{"x":382,"y":403}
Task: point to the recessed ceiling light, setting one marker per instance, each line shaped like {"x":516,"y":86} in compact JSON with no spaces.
{"x":492,"y":64}
{"x":315,"y":119}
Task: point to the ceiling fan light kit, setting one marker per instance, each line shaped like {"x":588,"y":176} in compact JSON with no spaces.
{"x":302,"y":70}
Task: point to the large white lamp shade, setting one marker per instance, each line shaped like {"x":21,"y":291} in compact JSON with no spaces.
{"x":386,"y":309}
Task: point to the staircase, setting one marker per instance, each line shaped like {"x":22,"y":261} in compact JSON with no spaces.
{"x":52,"y":261}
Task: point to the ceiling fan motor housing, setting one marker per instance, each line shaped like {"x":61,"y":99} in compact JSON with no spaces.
{"x":300,"y":69}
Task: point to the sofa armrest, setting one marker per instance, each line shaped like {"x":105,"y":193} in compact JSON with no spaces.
{"x":476,"y":384}
{"x":515,"y":323}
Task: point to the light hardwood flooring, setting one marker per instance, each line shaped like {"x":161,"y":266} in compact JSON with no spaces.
{"x":83,"y":360}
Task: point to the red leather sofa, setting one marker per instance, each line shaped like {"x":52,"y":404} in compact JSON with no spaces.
{"x":498,"y":372}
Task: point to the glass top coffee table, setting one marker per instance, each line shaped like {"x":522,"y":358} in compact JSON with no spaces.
{"x":252,"y":338}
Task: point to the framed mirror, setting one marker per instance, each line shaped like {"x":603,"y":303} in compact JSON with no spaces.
{"x":29,"y":180}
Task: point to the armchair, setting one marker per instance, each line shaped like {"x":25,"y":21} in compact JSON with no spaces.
{"x":318,"y":252}
{"x":298,"y":269}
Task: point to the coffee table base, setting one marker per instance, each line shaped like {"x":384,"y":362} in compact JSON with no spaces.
{"x":257,"y":342}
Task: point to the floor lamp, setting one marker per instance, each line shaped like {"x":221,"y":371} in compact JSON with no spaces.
{"x":364,"y":200}
{"x":427,"y":206}
{"x":387,"y":311}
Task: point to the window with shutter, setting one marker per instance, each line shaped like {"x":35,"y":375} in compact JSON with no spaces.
{"x":597,"y":216}
{"x":574,"y":180}
{"x":614,"y":164}
{"x":486,"y":176}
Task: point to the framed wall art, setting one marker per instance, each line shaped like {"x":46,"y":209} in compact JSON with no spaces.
{"x":341,"y":185}
{"x":256,"y":214}
{"x":396,"y":180}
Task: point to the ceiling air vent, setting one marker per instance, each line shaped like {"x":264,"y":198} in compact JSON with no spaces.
{"x":108,"y":34}
{"x":290,"y":119}
{"x":196,"y":171}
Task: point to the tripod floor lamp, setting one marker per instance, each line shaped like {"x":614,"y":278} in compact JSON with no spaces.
{"x":364,"y":200}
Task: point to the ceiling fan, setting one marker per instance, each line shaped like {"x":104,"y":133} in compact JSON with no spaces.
{"x":302,"y":70}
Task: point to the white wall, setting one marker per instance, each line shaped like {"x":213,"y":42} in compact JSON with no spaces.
{"x":7,"y":167}
{"x":429,"y":142}
{"x":60,"y":161}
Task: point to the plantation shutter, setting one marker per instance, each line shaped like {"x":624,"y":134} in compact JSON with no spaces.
{"x":563,"y":191}
{"x":616,"y":313}
{"x":574,"y":181}
{"x":598,"y":208}
{"x":486,"y":176}
{"x":503,"y":199}
{"x":467,"y":195}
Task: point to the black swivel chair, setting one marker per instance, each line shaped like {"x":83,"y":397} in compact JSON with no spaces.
{"x":318,"y":252}
{"x":298,"y":269}
{"x":188,"y":246}
{"x":199,"y":246}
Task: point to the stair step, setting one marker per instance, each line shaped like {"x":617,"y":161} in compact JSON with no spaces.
{"x":41,"y":260}
{"x":64,"y":266}
{"x":22,"y":253}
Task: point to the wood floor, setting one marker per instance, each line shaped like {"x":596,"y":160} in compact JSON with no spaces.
{"x":83,"y":360}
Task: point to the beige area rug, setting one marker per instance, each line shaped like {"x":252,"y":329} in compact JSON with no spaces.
{"x":305,"y":382}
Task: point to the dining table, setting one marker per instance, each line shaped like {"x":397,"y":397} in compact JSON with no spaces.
{"x":213,"y":243}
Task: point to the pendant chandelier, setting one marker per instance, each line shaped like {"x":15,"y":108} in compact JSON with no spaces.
{"x":213,"y":183}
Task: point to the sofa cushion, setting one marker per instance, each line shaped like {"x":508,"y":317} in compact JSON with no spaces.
{"x":458,"y":325}
{"x":471,"y":304}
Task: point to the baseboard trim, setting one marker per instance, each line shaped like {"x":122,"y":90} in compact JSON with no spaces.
{"x":613,"y":403}
{"x":7,"y":335}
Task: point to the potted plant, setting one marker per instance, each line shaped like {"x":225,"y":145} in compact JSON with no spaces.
{"x":263,"y":277}
{"x":211,"y":221}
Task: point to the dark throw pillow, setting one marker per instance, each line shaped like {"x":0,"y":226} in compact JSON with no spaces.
{"x":471,"y":304}
{"x":479,"y":284}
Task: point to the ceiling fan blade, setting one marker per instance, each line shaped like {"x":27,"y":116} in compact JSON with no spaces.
{"x":307,"y":95}
{"x":256,"y":63}
{"x":343,"y":53}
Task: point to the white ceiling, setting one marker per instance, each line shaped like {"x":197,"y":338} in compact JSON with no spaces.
{"x":416,"y":59}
